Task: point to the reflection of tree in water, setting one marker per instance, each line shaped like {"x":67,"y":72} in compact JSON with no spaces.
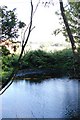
{"x":72,"y":114}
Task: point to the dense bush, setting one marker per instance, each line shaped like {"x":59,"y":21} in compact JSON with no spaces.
{"x":61,"y":60}
{"x":8,"y":61}
{"x":37,"y":59}
{"x":5,"y":51}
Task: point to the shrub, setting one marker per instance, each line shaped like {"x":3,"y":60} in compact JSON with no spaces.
{"x":4,"y":50}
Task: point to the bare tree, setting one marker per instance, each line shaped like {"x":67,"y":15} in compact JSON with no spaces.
{"x":29,"y":32}
{"x":24,"y":42}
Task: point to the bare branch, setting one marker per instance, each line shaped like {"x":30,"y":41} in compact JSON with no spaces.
{"x":36,"y":7}
{"x":30,"y":24}
{"x":23,"y":39}
{"x":23,"y":46}
{"x":24,"y":34}
{"x":29,"y":31}
{"x":32,"y":28}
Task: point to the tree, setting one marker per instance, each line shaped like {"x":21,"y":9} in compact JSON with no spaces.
{"x":9,"y":23}
{"x":72,"y":41}
{"x":72,"y":15}
{"x":68,"y":31}
{"x":67,"y":27}
{"x":24,"y":42}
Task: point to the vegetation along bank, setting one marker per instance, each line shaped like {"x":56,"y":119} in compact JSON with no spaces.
{"x":61,"y":62}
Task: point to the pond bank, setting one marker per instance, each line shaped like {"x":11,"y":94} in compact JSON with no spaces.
{"x":37,"y":73}
{"x":49,"y":73}
{"x":60,"y":64}
{"x":44,"y":73}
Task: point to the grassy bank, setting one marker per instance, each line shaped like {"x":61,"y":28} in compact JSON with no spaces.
{"x":61,"y":61}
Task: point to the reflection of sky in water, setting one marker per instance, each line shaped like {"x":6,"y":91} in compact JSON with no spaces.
{"x":0,"y":107}
{"x":54,"y":98}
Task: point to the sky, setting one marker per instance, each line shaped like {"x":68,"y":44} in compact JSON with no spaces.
{"x":44,"y":20}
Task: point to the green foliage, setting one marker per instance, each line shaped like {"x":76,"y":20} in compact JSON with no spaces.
{"x":10,"y":23}
{"x":4,"y":51}
{"x":62,"y":60}
{"x":72,"y":13}
{"x":37,"y":59}
{"x":8,"y":63}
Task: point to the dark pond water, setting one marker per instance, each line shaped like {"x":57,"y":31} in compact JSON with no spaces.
{"x":51,"y":98}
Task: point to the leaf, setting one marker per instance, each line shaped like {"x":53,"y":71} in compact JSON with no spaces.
{"x":57,"y":31}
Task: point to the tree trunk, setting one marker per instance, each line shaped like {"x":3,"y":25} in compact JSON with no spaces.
{"x":74,"y":49}
{"x":67,"y":27}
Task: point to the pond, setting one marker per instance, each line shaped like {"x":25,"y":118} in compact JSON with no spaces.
{"x":51,"y":98}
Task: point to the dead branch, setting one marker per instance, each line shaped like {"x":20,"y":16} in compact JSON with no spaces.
{"x":18,"y":62}
{"x":23,"y":39}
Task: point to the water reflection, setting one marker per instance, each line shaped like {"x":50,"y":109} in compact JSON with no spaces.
{"x":52,"y":98}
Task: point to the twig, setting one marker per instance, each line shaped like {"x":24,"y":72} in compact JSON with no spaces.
{"x":23,"y":46}
{"x":29,"y":23}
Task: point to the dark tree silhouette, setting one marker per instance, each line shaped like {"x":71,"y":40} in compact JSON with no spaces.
{"x":9,"y":23}
{"x":67,"y":27}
